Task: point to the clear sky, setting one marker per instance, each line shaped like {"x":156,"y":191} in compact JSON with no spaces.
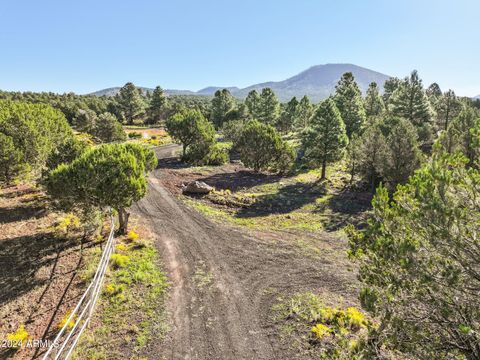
{"x":87,"y":45}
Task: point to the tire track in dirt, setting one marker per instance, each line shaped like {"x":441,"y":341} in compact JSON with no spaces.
{"x":222,"y":280}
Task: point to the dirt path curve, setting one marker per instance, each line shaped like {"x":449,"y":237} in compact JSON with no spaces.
{"x":222,"y":280}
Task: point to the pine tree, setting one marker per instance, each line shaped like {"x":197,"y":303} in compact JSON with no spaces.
{"x":222,"y":103}
{"x":373,"y":154}
{"x":253,"y":104}
{"x":410,"y":101}
{"x":404,"y":155}
{"x":262,"y":148}
{"x":158,"y":105}
{"x":10,"y":159}
{"x":303,"y":114}
{"x":108,"y":129}
{"x":325,"y":139}
{"x":269,"y":109}
{"x":448,"y":107}
{"x":348,"y":99}
{"x":462,"y":135}
{"x":389,"y":88}
{"x":373,"y":101}
{"x":84,"y":121}
{"x":287,"y":117}
{"x":191,"y":128}
{"x":131,"y":102}
{"x":434,"y":91}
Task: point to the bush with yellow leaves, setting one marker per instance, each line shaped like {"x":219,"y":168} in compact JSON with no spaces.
{"x":339,"y":333}
{"x":69,"y":323}
{"x":119,"y":261}
{"x":132,"y":235}
{"x":67,"y":223}
{"x":18,"y":337}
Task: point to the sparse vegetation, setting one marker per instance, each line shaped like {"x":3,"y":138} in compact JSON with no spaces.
{"x":332,"y":332}
{"x":132,"y":305}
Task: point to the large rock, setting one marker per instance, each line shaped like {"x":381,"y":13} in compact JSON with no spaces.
{"x":197,"y":187}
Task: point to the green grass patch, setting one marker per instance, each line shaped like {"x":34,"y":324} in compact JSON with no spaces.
{"x":293,"y":220}
{"x":131,"y":307}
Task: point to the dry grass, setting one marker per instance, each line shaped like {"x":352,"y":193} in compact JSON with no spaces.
{"x":38,"y":268}
{"x":146,"y":131}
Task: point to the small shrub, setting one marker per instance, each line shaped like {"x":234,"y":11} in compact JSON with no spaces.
{"x":67,"y":223}
{"x":64,"y":321}
{"x":338,"y":333}
{"x":119,"y":261}
{"x":132,"y":235}
{"x":122,"y":247}
{"x":18,"y":337}
{"x":356,"y":319}
{"x":112,"y":290}
{"x":153,"y":137}
{"x":134,"y":135}
{"x":320,"y":331}
{"x":218,"y":154}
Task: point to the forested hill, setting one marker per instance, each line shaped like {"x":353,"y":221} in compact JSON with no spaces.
{"x":317,"y":82}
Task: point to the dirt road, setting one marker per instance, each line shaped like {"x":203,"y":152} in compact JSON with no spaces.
{"x":224,"y":280}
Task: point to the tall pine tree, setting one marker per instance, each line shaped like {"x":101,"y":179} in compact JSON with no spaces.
{"x":448,"y":107}
{"x":287,"y":117}
{"x":348,"y":99}
{"x":131,"y":102}
{"x":222,"y":103}
{"x":253,"y":104}
{"x":404,"y":154}
{"x":325,"y":139}
{"x":373,"y":101}
{"x":303,"y":113}
{"x":158,"y":105}
{"x":269,"y":109}
{"x":389,"y":88}
{"x":410,"y":101}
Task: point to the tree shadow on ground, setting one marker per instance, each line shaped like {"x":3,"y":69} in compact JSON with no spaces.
{"x":287,"y":199}
{"x":238,"y":180}
{"x":346,"y":207}
{"x":18,"y":192}
{"x":173,"y":162}
{"x":21,"y":257}
{"x":21,"y":213}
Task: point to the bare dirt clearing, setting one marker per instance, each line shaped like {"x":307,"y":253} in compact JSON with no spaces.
{"x":225,"y":279}
{"x":38,"y":268}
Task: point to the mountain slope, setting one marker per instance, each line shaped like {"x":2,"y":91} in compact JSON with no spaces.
{"x":317,"y":82}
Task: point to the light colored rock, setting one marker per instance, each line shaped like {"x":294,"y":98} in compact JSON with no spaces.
{"x":197,"y":187}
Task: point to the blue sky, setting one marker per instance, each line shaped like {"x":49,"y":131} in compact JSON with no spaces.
{"x":88,"y":45}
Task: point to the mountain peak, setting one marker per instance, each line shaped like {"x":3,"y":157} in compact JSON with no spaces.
{"x":317,"y":82}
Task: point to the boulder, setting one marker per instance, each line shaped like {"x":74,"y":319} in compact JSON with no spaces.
{"x":197,"y":187}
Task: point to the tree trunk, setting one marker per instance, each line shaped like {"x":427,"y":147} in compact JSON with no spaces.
{"x":324,"y":170}
{"x":123,"y":216}
{"x":352,"y":173}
